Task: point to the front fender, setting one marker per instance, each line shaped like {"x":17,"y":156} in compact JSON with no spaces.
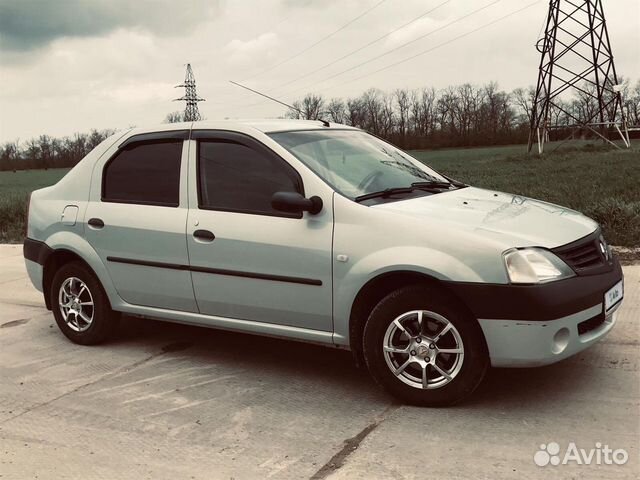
{"x":349,"y":279}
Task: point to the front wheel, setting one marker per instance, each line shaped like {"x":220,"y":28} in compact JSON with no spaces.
{"x":80,"y":306}
{"x":423,"y":348}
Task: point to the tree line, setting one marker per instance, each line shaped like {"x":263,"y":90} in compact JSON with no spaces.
{"x":456,"y":116}
{"x":49,"y":152}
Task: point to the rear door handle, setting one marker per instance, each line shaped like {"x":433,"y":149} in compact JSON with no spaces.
{"x":204,"y":235}
{"x":96,"y":222}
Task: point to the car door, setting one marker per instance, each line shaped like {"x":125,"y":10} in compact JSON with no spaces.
{"x":136,"y":220}
{"x":249,"y":261}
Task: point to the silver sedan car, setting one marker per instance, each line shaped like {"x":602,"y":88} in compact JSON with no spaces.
{"x":321,"y":233}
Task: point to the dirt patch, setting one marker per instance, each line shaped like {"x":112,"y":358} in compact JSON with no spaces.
{"x":14,"y":323}
{"x":628,"y":256}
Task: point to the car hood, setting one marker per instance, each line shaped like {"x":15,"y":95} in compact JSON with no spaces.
{"x":509,"y":219}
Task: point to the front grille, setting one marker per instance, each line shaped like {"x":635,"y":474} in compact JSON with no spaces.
{"x":591,"y":324}
{"x":583,"y":254}
{"x":583,"y":257}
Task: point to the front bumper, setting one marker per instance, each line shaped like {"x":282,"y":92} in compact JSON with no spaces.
{"x":533,"y":325}
{"x":517,"y":343}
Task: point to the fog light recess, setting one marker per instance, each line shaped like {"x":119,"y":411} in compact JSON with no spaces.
{"x":560,"y":340}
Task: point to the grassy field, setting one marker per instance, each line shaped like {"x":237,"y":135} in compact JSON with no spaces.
{"x":15,"y":188}
{"x":600,"y":182}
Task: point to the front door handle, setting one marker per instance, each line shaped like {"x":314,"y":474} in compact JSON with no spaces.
{"x":204,"y":235}
{"x":96,"y":223}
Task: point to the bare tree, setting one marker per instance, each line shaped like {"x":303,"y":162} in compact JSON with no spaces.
{"x":373,"y":106}
{"x":631,"y":101}
{"x":337,"y":110}
{"x":446,"y":108}
{"x":355,"y":112}
{"x":523,"y":99}
{"x":9,"y":155}
{"x":404,"y":104}
{"x":295,"y":112}
{"x":174,"y":117}
{"x":313,"y":106}
{"x":422,"y":111}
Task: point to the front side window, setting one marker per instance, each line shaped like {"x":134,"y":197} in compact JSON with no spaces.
{"x":234,"y":177}
{"x":147,"y":173}
{"x":355,"y":163}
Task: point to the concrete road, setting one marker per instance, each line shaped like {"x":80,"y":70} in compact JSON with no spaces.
{"x":168,"y":401}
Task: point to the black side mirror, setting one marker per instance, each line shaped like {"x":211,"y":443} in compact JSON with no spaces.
{"x":293,"y":202}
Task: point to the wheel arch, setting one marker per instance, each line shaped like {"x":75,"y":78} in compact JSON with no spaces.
{"x":55,"y":261}
{"x":375,"y":290}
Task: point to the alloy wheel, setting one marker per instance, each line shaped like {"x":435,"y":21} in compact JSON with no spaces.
{"x":76,"y":304}
{"x":423,"y":349}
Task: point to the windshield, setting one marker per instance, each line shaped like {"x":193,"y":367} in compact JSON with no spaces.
{"x":355,"y":163}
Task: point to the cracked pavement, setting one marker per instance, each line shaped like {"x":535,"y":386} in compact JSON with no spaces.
{"x":173,"y":401}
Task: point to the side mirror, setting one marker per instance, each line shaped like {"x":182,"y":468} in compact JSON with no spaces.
{"x":293,"y":202}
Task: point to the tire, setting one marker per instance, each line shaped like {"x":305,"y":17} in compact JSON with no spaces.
{"x":74,"y":278}
{"x":413,"y":350}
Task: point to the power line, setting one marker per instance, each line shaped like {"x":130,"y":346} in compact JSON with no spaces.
{"x":353,"y":52}
{"x":384,"y":54}
{"x":544,"y":22}
{"x":439,"y":45}
{"x":370,"y":9}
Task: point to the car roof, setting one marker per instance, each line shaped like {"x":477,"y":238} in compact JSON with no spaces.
{"x":262,"y":125}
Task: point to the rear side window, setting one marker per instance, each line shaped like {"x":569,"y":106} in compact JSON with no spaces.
{"x":146,"y":173}
{"x":234,"y":177}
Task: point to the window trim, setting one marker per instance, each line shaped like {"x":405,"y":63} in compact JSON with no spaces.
{"x":223,"y":136}
{"x":154,"y":138}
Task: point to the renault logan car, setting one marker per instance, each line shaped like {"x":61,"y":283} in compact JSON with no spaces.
{"x":322,"y":233}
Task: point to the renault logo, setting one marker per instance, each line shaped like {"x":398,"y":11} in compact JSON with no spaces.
{"x":604,"y":250}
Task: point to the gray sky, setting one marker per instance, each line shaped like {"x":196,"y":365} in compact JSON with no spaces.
{"x":72,"y":65}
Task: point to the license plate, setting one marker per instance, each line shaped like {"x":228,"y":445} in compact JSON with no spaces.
{"x":613,"y":296}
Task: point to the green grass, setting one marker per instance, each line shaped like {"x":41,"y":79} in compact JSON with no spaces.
{"x":15,"y":188}
{"x":26,"y":181}
{"x":602,"y":183}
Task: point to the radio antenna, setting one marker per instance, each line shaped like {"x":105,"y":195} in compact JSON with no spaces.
{"x":324,"y":122}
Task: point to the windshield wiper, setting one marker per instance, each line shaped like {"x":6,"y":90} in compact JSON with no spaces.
{"x":385,"y":193}
{"x":428,"y":185}
{"x":455,"y":183}
{"x":431,"y":184}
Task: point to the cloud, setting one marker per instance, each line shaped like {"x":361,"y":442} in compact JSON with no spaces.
{"x":114,"y":63}
{"x":420,"y":27}
{"x":253,"y":50}
{"x":28,"y":25}
{"x":301,"y":4}
{"x":140,"y":92}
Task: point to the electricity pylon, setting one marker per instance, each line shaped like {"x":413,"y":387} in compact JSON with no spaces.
{"x":576,"y":57}
{"x":191,"y":113}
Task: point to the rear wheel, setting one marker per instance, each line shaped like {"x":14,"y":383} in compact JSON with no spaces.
{"x":423,"y":348}
{"x":80,"y":306}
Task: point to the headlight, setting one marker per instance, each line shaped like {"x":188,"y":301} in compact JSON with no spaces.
{"x":535,"y":265}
